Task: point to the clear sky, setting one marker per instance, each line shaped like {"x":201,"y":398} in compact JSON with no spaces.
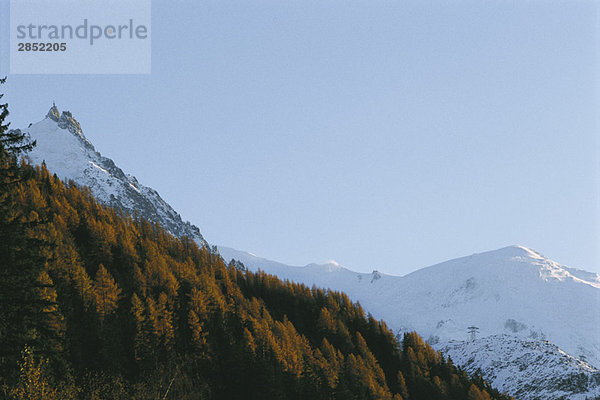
{"x":386,"y":135}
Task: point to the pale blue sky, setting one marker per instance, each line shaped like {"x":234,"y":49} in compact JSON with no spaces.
{"x":385,"y":135}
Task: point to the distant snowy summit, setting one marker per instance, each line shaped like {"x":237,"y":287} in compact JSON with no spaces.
{"x":66,"y":151}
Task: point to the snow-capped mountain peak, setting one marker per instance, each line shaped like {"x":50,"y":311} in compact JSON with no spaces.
{"x":548,"y":270}
{"x":69,"y":154}
{"x":65,"y":120}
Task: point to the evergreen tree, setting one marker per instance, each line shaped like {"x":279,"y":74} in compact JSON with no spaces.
{"x":106,"y":293}
{"x":28,"y":310}
{"x":12,"y":142}
{"x":141,"y":344}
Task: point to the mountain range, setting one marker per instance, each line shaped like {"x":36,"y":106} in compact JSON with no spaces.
{"x":527,"y":323}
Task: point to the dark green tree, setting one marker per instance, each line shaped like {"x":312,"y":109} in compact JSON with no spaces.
{"x":28,"y":310}
{"x":13,"y":143}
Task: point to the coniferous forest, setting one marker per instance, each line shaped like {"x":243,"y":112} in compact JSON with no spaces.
{"x":95,"y":304}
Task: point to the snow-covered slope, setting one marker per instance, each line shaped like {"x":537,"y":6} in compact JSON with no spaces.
{"x":531,"y":369}
{"x":512,"y":291}
{"x":68,"y":153}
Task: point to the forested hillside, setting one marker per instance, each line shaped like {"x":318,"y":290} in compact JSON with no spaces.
{"x":95,"y":304}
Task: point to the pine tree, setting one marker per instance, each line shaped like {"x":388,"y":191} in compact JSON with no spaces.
{"x":141,"y":341}
{"x":198,"y":334}
{"x":28,"y":314}
{"x":13,"y":143}
{"x":48,"y":300}
{"x":83,"y":285}
{"x":401,"y":389}
{"x":165,"y":318}
{"x":106,"y":293}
